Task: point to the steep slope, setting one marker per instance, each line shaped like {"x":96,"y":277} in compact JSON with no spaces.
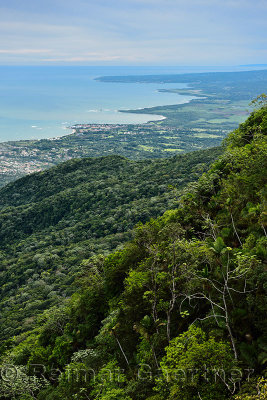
{"x":51,"y":221}
{"x":179,"y":312}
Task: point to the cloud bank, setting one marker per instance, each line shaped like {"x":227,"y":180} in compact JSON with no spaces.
{"x":162,"y":32}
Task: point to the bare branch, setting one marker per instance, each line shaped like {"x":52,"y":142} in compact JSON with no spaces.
{"x":264,"y":230}
{"x":202,"y":296}
{"x":236,"y":230}
{"x":209,"y":316}
{"x":241,"y":292}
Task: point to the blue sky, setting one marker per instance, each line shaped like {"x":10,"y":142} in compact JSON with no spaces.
{"x":133,"y":32}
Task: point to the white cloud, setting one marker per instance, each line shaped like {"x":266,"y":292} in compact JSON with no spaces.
{"x":145,"y":31}
{"x":24,"y":51}
{"x":83,"y":58}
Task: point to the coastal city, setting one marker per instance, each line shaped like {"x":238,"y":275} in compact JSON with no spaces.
{"x":151,"y":140}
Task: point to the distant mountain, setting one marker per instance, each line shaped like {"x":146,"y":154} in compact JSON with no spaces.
{"x":253,"y":65}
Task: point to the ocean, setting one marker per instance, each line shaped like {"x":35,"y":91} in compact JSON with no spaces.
{"x":42,"y":102}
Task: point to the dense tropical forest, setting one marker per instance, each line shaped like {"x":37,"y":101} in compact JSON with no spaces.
{"x":51,"y":221}
{"x":176,"y":313}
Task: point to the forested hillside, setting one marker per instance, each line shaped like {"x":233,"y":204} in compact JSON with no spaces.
{"x":178,"y":313}
{"x":51,"y":221}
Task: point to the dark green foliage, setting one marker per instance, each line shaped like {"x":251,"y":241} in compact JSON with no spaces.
{"x":51,"y":221}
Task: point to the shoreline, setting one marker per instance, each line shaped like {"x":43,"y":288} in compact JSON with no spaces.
{"x":133,"y":111}
{"x":196,"y":89}
{"x":142,"y":111}
{"x":113,"y":124}
{"x":146,"y":112}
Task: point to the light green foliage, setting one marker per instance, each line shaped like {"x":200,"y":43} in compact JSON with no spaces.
{"x":196,"y":364}
{"x":258,"y":391}
{"x":109,"y":383}
{"x":16,"y":384}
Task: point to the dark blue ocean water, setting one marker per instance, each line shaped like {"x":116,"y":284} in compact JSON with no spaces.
{"x":40,"y":102}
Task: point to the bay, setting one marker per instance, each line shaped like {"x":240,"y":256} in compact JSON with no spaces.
{"x":41,"y":102}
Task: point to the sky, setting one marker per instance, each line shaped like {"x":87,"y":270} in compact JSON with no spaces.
{"x":133,"y":32}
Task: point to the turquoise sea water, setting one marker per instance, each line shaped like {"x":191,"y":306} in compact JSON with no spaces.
{"x":40,"y":102}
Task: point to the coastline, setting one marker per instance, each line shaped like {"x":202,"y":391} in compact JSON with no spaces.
{"x":141,"y":111}
{"x":203,"y":87}
{"x":75,"y":128}
{"x":150,"y":109}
